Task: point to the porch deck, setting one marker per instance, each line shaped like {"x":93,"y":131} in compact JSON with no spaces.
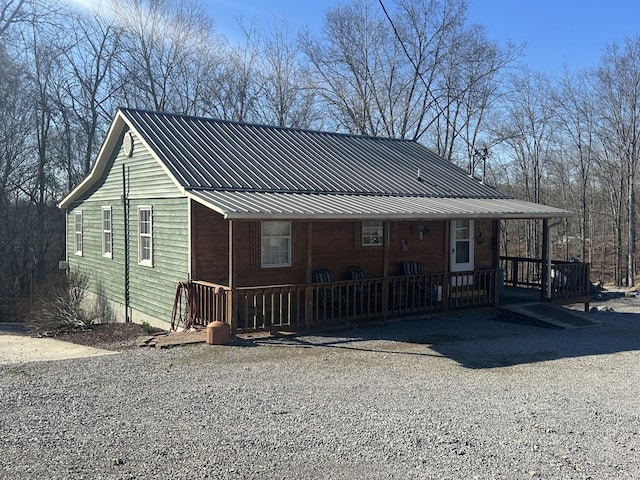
{"x":349,"y":302}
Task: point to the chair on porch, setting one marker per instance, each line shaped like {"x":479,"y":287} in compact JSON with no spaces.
{"x":328,"y":298}
{"x":412,"y":268}
{"x":359,"y":293}
{"x":416,"y":285}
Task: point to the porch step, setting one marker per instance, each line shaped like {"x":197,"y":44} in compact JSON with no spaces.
{"x":546,"y":315}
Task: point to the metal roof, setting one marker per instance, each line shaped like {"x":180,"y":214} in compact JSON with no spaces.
{"x":255,"y":171}
{"x":203,"y":153}
{"x":238,"y":205}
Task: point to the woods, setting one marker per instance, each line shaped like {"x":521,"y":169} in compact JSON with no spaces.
{"x":407,"y":69}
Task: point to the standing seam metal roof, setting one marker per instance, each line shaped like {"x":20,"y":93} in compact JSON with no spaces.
{"x":216,"y":155}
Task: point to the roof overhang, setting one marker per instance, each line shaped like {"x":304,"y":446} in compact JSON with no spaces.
{"x":292,"y":206}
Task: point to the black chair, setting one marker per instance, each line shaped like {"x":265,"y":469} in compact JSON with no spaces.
{"x":417,"y":286}
{"x":356,"y":273}
{"x":412,"y":268}
{"x":322,"y":275}
{"x":329,"y":299}
{"x":359,"y":293}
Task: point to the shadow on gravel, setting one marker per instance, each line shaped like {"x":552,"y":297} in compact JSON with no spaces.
{"x":13,"y":328}
{"x":480,"y":341}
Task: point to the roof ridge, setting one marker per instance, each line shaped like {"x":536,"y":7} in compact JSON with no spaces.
{"x":263,"y":125}
{"x":499,"y":195}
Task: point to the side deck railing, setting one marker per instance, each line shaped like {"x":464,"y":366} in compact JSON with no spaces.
{"x":522,"y":272}
{"x":312,"y":306}
{"x":570,"y":281}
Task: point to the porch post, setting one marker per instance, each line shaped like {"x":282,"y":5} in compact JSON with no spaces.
{"x":447,"y":258}
{"x":545,"y":292}
{"x":496,"y":263}
{"x":308,"y":289}
{"x":232,"y":307}
{"x":385,"y":268}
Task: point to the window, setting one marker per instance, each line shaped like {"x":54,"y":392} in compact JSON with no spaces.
{"x":107,"y":237}
{"x":372,"y":233}
{"x":462,"y":249}
{"x":78,"y":233}
{"x":145,"y":236}
{"x":276,"y":244}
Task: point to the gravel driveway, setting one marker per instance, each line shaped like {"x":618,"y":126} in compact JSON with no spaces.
{"x":457,"y":397}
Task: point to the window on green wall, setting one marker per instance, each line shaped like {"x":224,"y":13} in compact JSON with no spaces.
{"x":145,"y":236}
{"x":107,"y":235}
{"x":78,"y":232}
{"x":276,"y":244}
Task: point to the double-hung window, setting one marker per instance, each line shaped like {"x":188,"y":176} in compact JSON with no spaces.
{"x":276,"y":244}
{"x":372,"y":233}
{"x":107,"y":234}
{"x":78,"y":239}
{"x":145,"y":236}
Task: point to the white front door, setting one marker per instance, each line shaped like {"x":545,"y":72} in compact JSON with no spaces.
{"x":462,"y":249}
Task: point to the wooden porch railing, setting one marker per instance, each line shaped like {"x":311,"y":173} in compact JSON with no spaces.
{"x":300,"y":307}
{"x":522,"y":272}
{"x":570,"y":281}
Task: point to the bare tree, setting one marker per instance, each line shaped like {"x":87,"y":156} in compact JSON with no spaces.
{"x":161,"y":39}
{"x":577,"y":117}
{"x":15,"y":126}
{"x":287,"y":100}
{"x":357,"y":70}
{"x":528,"y":127}
{"x":87,"y":99}
{"x":472,"y":84}
{"x":619,"y":88}
{"x":237,"y":88}
{"x":11,"y":11}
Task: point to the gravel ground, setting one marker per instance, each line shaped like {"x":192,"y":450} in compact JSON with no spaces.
{"x":456,"y":397}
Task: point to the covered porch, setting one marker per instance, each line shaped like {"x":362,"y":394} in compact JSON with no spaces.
{"x":412,"y":268}
{"x":359,"y":302}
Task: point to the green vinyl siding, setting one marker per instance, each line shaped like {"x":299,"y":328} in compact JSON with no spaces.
{"x":106,"y":274}
{"x":144,"y":176}
{"x":151,"y":289}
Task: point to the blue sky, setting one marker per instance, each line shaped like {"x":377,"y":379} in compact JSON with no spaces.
{"x":571,"y":31}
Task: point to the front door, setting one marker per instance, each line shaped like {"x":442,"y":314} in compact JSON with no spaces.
{"x":462,"y":250}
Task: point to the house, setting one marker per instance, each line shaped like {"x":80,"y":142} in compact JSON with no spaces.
{"x":270,"y":228}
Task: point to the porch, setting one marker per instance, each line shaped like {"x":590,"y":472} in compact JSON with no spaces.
{"x":558,"y":282}
{"x":313,"y":306}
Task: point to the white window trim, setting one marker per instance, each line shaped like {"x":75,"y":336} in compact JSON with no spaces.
{"x":108,"y":254}
{"x":145,"y":262}
{"x":76,"y":232}
{"x":365,"y":227}
{"x":288,"y":237}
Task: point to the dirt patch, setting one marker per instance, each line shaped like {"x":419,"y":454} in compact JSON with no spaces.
{"x":109,"y":336}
